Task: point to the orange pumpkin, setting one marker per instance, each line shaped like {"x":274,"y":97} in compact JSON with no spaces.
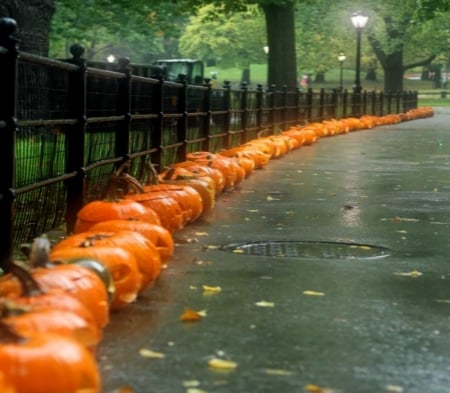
{"x":145,"y":253}
{"x":45,"y":362}
{"x":157,"y":234}
{"x":122,"y":209}
{"x":121,"y":264}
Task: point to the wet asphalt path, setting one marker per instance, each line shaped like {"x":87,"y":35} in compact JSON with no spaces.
{"x":343,"y":315}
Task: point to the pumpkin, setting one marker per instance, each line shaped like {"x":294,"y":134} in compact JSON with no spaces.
{"x":157,"y":234}
{"x":45,"y":362}
{"x":227,"y":166}
{"x":27,"y":320}
{"x":190,"y":168}
{"x":121,"y":209}
{"x":145,"y":253}
{"x":75,"y":280}
{"x":35,"y":298}
{"x":121,"y":264}
{"x":6,"y":386}
{"x":203,"y":184}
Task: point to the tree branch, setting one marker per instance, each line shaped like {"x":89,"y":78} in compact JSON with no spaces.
{"x":424,"y":62}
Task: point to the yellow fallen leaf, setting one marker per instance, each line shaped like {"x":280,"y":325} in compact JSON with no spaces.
{"x":394,"y":388}
{"x":311,"y":388}
{"x":253,"y":210}
{"x":195,"y":390}
{"x":238,"y":251}
{"x":207,"y":288}
{"x":148,"y":353}
{"x":365,"y":247}
{"x":212,"y":246}
{"x":276,"y":371}
{"x":190,"y":315}
{"x":192,"y":383}
{"x":264,"y":303}
{"x":201,"y":233}
{"x":222,"y":364}
{"x":313,"y":293}
{"x":413,"y":274}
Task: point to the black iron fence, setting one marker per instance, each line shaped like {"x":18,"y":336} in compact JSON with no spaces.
{"x":64,"y":128}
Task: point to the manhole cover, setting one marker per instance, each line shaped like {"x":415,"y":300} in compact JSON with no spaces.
{"x":309,"y":249}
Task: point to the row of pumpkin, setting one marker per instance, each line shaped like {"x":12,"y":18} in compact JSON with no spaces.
{"x":55,"y":307}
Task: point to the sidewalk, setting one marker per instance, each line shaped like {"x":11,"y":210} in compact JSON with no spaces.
{"x":356,"y":301}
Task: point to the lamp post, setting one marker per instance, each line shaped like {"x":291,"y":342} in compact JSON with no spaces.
{"x":359,"y":21}
{"x":341,"y":58}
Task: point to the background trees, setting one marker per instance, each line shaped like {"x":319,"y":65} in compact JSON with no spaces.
{"x":303,"y":36}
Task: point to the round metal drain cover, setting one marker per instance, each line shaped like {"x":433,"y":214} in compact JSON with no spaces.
{"x":309,"y":250}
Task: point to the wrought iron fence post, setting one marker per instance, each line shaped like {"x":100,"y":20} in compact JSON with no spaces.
{"x":244,"y":112}
{"x":309,"y":104}
{"x":381,"y":104}
{"x":123,"y":131}
{"x":271,"y":106}
{"x":9,"y":55}
{"x":226,"y":105}
{"x":298,"y":101}
{"x":259,"y":106}
{"x":344,"y":103}
{"x":207,"y":120}
{"x":285,"y":108}
{"x":364,"y":103}
{"x":321,"y":104}
{"x":75,"y":136}
{"x":156,"y":137}
{"x":182,"y":122}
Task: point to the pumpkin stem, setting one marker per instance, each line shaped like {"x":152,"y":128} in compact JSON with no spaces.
{"x":29,"y":285}
{"x":152,"y":177}
{"x":8,"y":335}
{"x":39,"y":251}
{"x":133,"y":183}
{"x":114,"y":184}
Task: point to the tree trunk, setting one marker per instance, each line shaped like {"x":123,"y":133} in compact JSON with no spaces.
{"x":280,"y":26}
{"x":393,"y":71}
{"x":33,"y":19}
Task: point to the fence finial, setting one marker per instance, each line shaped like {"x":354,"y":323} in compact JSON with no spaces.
{"x":77,"y":50}
{"x":8,"y":27}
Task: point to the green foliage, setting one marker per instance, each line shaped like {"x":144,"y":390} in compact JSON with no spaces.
{"x":234,"y":40}
{"x":134,"y":29}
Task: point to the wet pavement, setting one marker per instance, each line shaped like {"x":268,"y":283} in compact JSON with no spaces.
{"x":348,"y":289}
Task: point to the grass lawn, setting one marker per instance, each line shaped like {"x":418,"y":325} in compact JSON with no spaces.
{"x":428,"y":96}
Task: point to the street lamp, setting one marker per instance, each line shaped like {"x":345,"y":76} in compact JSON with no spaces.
{"x":341,"y":58}
{"x":359,"y":21}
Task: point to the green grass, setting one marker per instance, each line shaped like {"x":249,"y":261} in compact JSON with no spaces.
{"x":428,"y":96}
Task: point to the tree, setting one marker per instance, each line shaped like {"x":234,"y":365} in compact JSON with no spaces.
{"x":394,"y":25}
{"x":137,"y":30}
{"x":33,"y":19}
{"x":220,"y":39}
{"x":280,"y":34}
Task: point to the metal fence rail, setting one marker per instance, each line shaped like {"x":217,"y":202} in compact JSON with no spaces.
{"x":64,"y":127}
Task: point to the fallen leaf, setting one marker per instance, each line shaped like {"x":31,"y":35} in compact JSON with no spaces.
{"x":253,"y":210}
{"x":276,"y":371}
{"x":148,"y":353}
{"x":239,"y":251}
{"x":201,"y":233}
{"x":190,"y":315}
{"x":264,"y":303}
{"x":394,"y":388}
{"x":222,"y":364}
{"x":212,"y":246}
{"x":195,"y":390}
{"x":311,"y":388}
{"x":413,"y":274}
{"x":192,"y":383}
{"x":313,"y":293}
{"x":271,"y":198}
{"x":209,"y":289}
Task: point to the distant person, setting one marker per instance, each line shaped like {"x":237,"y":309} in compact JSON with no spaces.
{"x":304,"y":82}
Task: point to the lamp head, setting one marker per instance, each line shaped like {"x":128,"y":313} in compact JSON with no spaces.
{"x":359,"y":20}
